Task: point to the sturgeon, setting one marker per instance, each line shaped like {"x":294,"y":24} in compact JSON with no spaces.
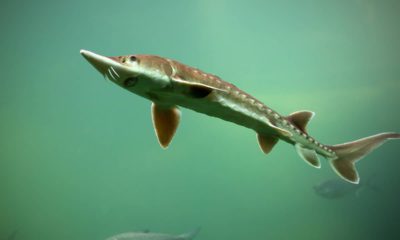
{"x":169,"y":84}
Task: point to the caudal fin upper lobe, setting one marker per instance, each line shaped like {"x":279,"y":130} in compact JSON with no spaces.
{"x":348,"y":154}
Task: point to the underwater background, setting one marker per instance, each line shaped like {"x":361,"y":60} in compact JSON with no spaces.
{"x":79,"y":158}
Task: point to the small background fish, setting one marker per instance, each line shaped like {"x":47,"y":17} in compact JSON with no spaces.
{"x":334,"y":189}
{"x":13,"y":235}
{"x":148,"y":235}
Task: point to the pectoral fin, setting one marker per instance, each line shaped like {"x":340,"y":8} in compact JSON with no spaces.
{"x":193,"y":89}
{"x":266,"y":143}
{"x":165,"y":122}
{"x":281,"y":131}
{"x":309,"y":155}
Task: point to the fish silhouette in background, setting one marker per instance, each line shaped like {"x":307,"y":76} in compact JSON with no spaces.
{"x":169,"y":84}
{"x":147,"y":235}
{"x":12,"y":235}
{"x":334,"y":189}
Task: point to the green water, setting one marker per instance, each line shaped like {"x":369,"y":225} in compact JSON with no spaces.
{"x":79,"y":158}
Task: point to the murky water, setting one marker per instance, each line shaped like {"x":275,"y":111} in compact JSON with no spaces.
{"x":79,"y":158}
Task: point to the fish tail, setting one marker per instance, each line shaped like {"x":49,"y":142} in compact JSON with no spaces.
{"x":347,"y":154}
{"x":190,"y":235}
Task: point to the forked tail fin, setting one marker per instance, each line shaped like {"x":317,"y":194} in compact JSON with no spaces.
{"x":348,"y":154}
{"x":190,"y":235}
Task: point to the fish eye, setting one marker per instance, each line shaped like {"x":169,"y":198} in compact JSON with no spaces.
{"x":132,"y":58}
{"x":130,"y":82}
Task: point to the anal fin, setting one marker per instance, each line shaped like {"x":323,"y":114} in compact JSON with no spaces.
{"x":308,"y":155}
{"x":165,"y":122}
{"x":266,"y":143}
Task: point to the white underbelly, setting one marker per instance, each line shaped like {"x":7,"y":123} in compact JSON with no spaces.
{"x":228,"y":109}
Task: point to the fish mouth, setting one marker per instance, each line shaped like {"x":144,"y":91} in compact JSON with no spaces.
{"x":109,"y":67}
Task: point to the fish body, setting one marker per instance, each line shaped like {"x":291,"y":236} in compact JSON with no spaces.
{"x":231,"y":104}
{"x":169,"y":84}
{"x":13,"y":235}
{"x":333,"y":189}
{"x":143,"y":236}
{"x":154,"y":236}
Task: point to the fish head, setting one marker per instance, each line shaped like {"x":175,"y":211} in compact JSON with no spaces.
{"x":136,"y":73}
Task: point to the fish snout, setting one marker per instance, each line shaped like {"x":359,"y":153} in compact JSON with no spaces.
{"x":101,"y":63}
{"x":113,"y":68}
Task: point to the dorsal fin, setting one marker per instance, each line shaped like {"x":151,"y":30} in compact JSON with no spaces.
{"x":300,"y":119}
{"x":165,"y":121}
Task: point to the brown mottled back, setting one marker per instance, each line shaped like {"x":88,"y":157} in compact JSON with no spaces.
{"x":195,"y":75}
{"x":156,"y":63}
